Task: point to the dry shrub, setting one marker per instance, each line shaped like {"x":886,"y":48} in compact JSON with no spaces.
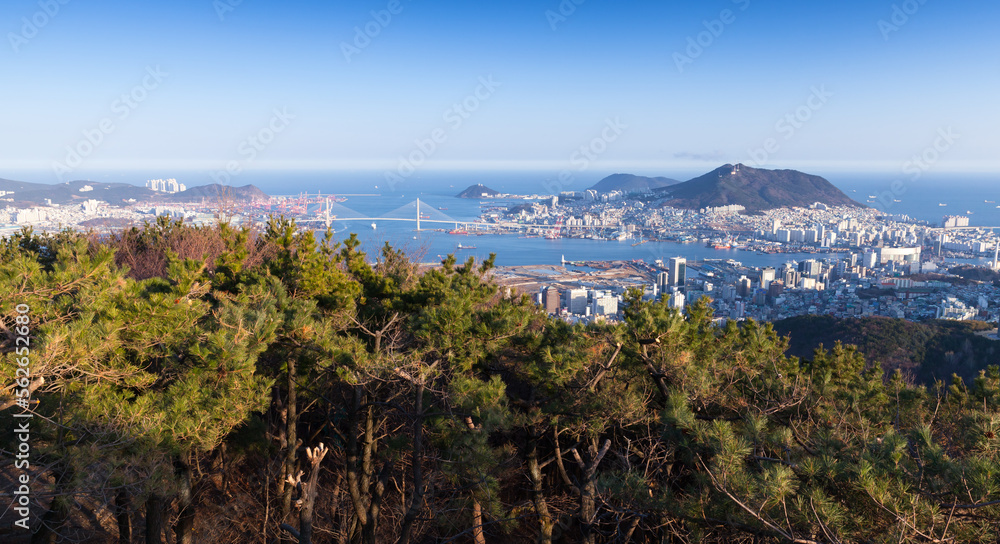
{"x":144,"y":250}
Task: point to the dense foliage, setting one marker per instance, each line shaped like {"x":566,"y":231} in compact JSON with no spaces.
{"x":925,"y":352}
{"x":222,"y":385}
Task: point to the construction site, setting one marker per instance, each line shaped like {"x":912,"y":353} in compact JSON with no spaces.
{"x":589,"y":274}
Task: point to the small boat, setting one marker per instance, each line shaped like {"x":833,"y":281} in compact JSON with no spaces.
{"x":942,"y":204}
{"x":374,"y":226}
{"x":461,"y":247}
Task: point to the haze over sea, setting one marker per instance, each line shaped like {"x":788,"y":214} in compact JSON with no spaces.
{"x":920,"y":199}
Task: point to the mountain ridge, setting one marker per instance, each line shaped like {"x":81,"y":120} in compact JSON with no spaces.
{"x":25,"y":193}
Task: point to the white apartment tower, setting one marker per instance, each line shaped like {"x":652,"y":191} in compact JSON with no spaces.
{"x":165,"y":185}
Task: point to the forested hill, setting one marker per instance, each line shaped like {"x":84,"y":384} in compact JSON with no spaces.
{"x":217,"y":192}
{"x":24,"y":194}
{"x":478,"y":191}
{"x":222,"y":384}
{"x":928,"y":351}
{"x":71,"y":192}
{"x":629,"y":183}
{"x":756,"y":189}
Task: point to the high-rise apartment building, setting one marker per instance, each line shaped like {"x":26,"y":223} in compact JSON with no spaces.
{"x":678,"y":271}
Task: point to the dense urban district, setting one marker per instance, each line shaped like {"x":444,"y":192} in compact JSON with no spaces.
{"x":844,"y":260}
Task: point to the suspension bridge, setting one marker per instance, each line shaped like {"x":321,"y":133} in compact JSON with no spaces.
{"x":329,"y":211}
{"x":414,"y":212}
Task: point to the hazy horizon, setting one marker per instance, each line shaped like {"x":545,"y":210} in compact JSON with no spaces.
{"x":273,"y":181}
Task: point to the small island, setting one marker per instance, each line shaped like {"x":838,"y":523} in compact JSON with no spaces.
{"x":479,"y":191}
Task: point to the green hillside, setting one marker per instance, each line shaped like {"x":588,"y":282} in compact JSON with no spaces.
{"x":926,"y":351}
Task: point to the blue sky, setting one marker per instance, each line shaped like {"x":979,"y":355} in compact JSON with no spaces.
{"x":562,"y":71}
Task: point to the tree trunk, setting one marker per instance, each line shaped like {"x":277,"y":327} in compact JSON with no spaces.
{"x":291,"y":426}
{"x":184,"y":527}
{"x":306,"y":522}
{"x":477,"y":509}
{"x":477,"y":522}
{"x":344,"y":531}
{"x":368,"y":531}
{"x":280,"y":434}
{"x":123,"y":517}
{"x":365,"y":495}
{"x":354,"y":484}
{"x":316,"y":456}
{"x":588,"y":489}
{"x":154,"y":520}
{"x":537,"y":496}
{"x":417,"y":494}
{"x":588,"y":511}
{"x":53,"y":519}
{"x":57,"y":514}
{"x":308,"y":492}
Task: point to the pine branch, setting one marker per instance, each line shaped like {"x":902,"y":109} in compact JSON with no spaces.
{"x":906,"y":522}
{"x":750,"y":511}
